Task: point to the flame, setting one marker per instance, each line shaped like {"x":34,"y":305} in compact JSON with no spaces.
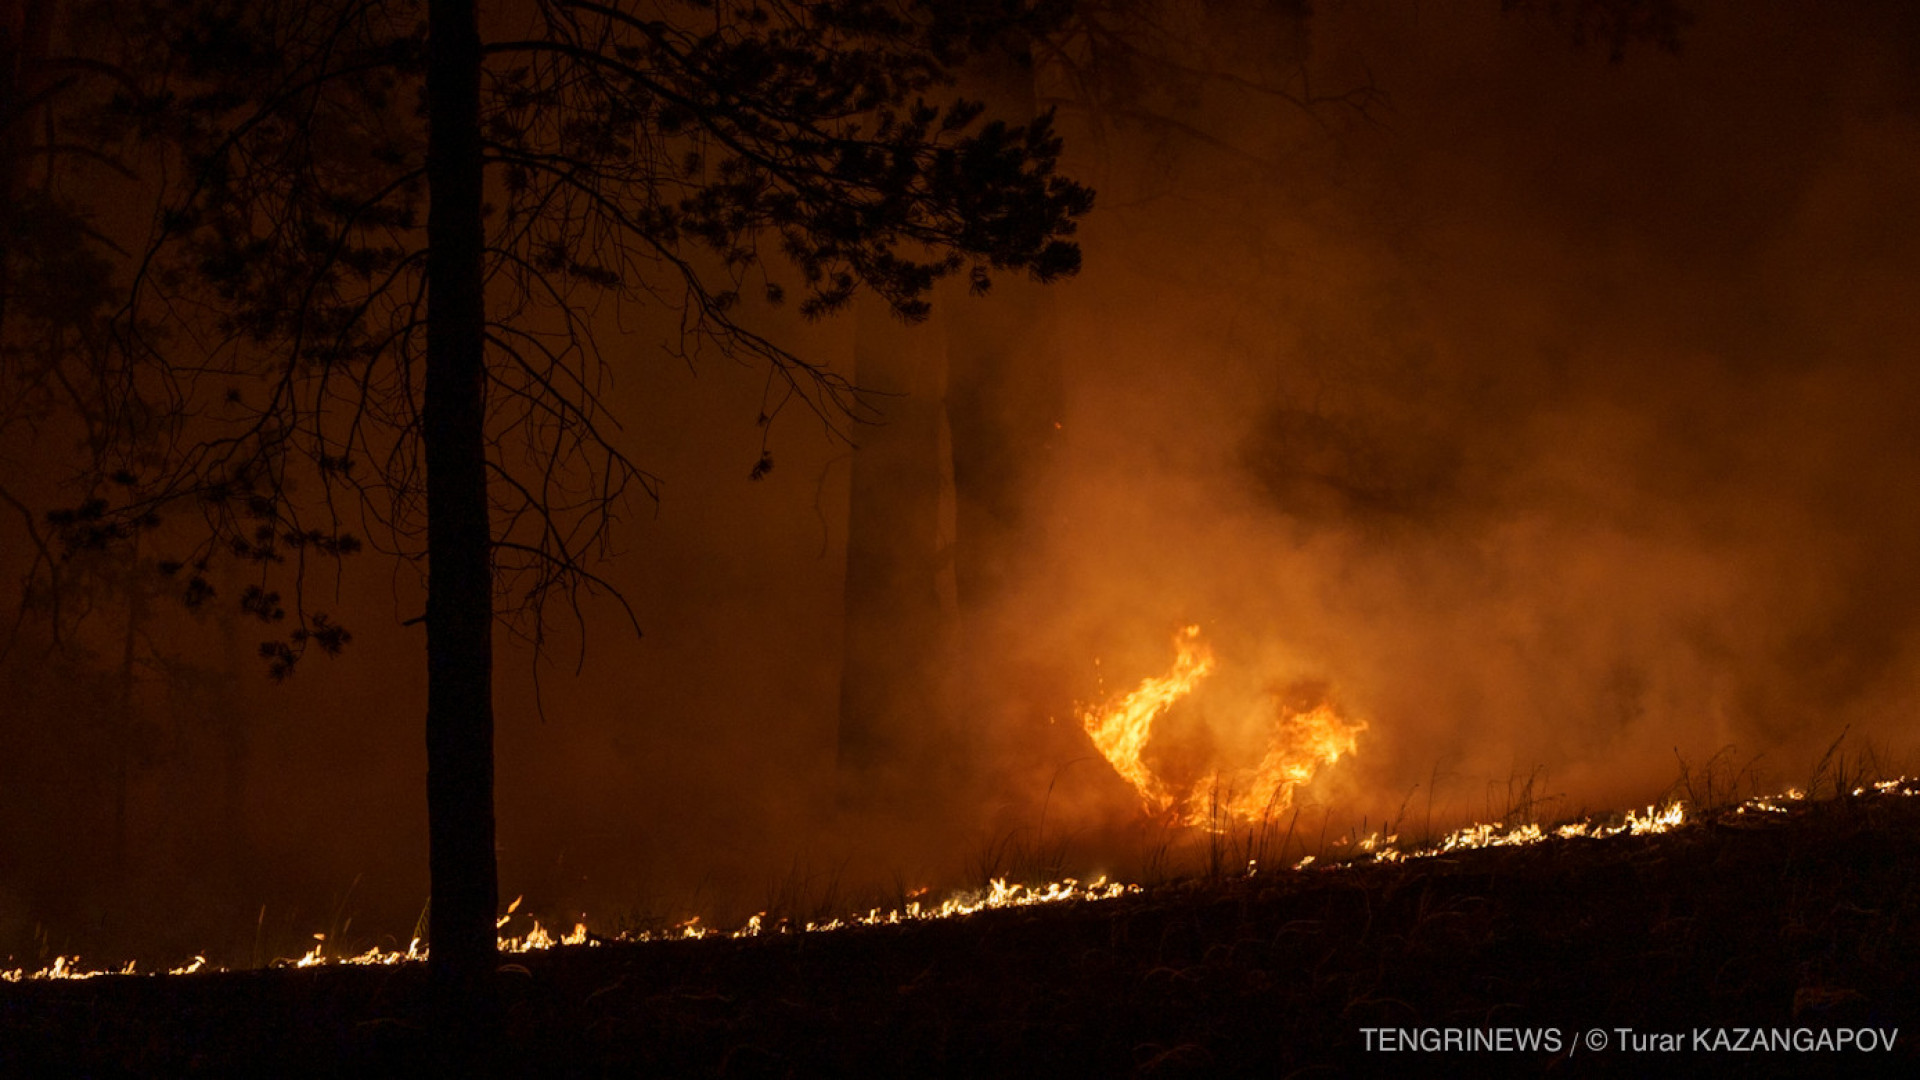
{"x":1656,"y":819}
{"x":1119,"y":729}
{"x":1300,"y":743}
{"x":998,"y":894}
{"x":1303,"y":742}
{"x":1001,"y":894}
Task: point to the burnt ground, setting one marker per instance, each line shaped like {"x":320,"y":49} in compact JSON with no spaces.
{"x":1808,"y":921}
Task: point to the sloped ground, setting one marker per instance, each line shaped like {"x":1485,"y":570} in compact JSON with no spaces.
{"x":1804,"y":922}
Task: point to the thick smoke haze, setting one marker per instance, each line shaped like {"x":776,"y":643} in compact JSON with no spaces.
{"x":1559,"y":416}
{"x":1556,"y":414}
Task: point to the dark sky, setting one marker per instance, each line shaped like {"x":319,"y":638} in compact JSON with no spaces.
{"x":1555,"y":413}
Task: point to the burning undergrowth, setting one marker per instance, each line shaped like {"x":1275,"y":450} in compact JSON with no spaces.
{"x":1760,"y":812}
{"x":1216,"y":760}
{"x":1774,"y":913}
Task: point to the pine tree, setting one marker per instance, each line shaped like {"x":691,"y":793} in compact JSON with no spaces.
{"x":369,"y":330}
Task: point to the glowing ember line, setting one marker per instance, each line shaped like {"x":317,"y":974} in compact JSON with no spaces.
{"x":1001,"y":894}
{"x":1656,"y":819}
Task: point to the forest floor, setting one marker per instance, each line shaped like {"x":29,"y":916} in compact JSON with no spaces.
{"x":1674,"y":947}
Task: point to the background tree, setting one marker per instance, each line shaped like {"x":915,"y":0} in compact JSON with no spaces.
{"x":936,"y":487}
{"x":334,"y":364}
{"x":56,"y":294}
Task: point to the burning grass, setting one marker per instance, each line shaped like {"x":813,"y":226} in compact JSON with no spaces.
{"x":1000,"y":893}
{"x":1776,"y":912}
{"x":1233,"y":812}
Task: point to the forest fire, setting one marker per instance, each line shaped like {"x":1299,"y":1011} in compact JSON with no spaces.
{"x":1299,"y":743}
{"x":1000,"y":893}
{"x":678,"y":461}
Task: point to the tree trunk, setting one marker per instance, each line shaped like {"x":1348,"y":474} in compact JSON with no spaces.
{"x":1004,"y":394}
{"x":1004,"y":402}
{"x":229,"y":718}
{"x":459,"y":578}
{"x":900,"y":591}
{"x":935,"y":514}
{"x":123,"y":721}
{"x":26,"y":27}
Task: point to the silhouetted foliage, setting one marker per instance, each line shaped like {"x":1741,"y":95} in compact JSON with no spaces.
{"x":326,"y":162}
{"x":805,"y":148}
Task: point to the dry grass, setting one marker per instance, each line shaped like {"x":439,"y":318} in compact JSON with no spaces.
{"x":1800,"y":918}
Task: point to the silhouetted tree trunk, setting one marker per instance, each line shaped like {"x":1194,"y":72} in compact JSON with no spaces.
{"x":970,"y":406}
{"x":459,"y":583}
{"x":123,"y":726}
{"x":1004,"y":391}
{"x":900,"y":594}
{"x":25,"y":31}
{"x":1003,"y":403}
{"x":229,"y":719}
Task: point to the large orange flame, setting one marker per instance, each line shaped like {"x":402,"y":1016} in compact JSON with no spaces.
{"x":1120,"y":728}
{"x":1300,"y":743}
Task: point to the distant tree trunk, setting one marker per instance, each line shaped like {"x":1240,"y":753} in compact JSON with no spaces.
{"x":1004,"y":402}
{"x":900,"y":593}
{"x":1001,"y":406}
{"x":936,"y":504}
{"x":460,"y":821}
{"x":230,"y":730}
{"x":26,"y":28}
{"x":1004,"y":391}
{"x":123,"y":727}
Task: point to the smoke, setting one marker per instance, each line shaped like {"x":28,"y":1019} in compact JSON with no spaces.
{"x":1553,"y":414}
